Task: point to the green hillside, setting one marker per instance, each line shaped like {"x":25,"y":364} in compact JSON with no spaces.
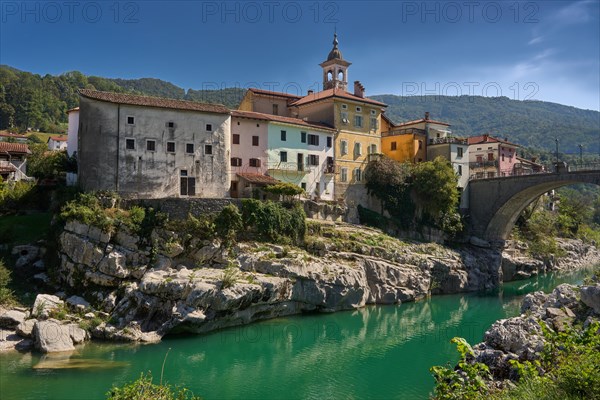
{"x":41,"y":102}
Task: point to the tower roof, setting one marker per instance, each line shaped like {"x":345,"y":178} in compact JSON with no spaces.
{"x":335,"y":53}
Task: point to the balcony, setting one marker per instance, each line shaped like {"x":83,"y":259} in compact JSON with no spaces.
{"x":289,"y":168}
{"x":447,"y":140}
{"x":405,"y":131}
{"x":329,"y":169}
{"x":484,"y":164}
{"x":18,"y":167}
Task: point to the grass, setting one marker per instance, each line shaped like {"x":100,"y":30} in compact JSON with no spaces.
{"x":43,"y":136}
{"x":24,"y":229}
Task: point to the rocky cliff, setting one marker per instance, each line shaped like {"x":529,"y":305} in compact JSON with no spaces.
{"x":120,"y":286}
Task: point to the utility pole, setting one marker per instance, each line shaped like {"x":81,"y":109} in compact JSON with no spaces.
{"x":581,"y":154}
{"x":556,"y":140}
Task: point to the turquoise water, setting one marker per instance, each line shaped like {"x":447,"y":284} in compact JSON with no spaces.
{"x":379,"y":352}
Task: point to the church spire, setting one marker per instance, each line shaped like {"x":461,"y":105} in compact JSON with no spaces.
{"x":335,"y":68}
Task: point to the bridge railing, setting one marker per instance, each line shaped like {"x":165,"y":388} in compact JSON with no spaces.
{"x":506,"y":174}
{"x":561,"y":167}
{"x":593,"y":166}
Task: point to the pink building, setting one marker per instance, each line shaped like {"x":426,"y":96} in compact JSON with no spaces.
{"x":490,"y":157}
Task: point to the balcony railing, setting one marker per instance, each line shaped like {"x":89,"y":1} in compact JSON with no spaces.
{"x":329,"y":169}
{"x":406,"y":131}
{"x":447,"y":140}
{"x":483,"y":164}
{"x":289,"y":167}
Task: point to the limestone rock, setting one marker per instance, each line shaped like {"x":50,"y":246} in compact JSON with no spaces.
{"x":127,"y":240}
{"x":44,"y":303}
{"x":25,"y":328}
{"x":521,"y":336}
{"x":115,"y":264}
{"x":52,"y":336}
{"x":590,"y":296}
{"x":11,"y":318}
{"x":78,"y":303}
{"x":26,"y":255}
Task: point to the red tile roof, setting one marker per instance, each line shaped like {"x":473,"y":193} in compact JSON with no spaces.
{"x":13,"y":135}
{"x":275,"y":94}
{"x":279,"y":118}
{"x":58,"y":138}
{"x":148,"y":101}
{"x":329,"y":93}
{"x":7,"y":168}
{"x":418,"y":121}
{"x":488,"y":139}
{"x":258,"y":178}
{"x":17,"y":148}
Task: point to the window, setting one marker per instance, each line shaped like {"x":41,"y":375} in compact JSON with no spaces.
{"x":236,"y":162}
{"x":358,"y":121}
{"x":170,"y":124}
{"x":344,"y":175}
{"x":189,"y":148}
{"x":344,"y":106}
{"x":130,"y":144}
{"x":373,"y":113}
{"x":490,"y":156}
{"x":170,"y":147}
{"x":283,"y":156}
{"x":329,"y":141}
{"x":283,"y":136}
{"x":313,"y":140}
{"x":303,"y":137}
{"x":357,"y":149}
{"x":479,"y":159}
{"x":208,"y":149}
{"x":373,"y":124}
{"x":254,"y":162}
{"x":344,"y":116}
{"x":151,"y":145}
{"x":130,"y":120}
{"x":459,"y":170}
{"x":344,"y":147}
{"x":254,"y":140}
{"x":303,"y":185}
{"x":459,"y":152}
{"x":502,"y":157}
{"x":479,"y":148}
{"x":357,"y":175}
{"x":373,"y":149}
{"x":209,"y":127}
{"x":236,"y":138}
{"x":313,"y":159}
{"x":420,"y":145}
{"x":275,"y":109}
{"x":187,"y":184}
{"x":393,"y":146}
{"x":358,"y":109}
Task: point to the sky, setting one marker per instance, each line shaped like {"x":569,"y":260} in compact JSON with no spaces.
{"x":542,"y":50}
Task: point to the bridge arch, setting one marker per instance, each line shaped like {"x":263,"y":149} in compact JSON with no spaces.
{"x":495,"y":204}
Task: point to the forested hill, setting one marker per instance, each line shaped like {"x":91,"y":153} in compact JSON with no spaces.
{"x":41,"y":102}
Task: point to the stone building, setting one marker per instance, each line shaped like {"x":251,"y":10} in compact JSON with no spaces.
{"x":150,"y":147}
{"x":491,"y":157}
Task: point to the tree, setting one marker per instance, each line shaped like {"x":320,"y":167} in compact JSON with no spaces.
{"x":285,"y":189}
{"x":435,"y":188}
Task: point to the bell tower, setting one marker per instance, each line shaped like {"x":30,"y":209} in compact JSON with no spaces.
{"x":335,"y":69}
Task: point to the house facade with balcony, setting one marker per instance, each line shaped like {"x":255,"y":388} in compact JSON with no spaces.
{"x":13,"y":161}
{"x":302,"y":153}
{"x":490,"y":157}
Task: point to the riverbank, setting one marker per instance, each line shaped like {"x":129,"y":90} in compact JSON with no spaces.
{"x":116,"y":288}
{"x":550,"y":350}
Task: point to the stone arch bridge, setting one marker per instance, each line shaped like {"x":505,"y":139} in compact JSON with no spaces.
{"x":495,"y":203}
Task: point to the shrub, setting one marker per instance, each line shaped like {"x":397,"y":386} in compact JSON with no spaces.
{"x":144,"y":389}
{"x":271,"y":221}
{"x":230,"y":276}
{"x":228,"y":223}
{"x":6,"y":295}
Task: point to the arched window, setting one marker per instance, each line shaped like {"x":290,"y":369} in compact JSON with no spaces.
{"x":340,"y":75}
{"x":329,"y":75}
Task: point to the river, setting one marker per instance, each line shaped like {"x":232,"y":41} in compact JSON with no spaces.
{"x":380,"y":352}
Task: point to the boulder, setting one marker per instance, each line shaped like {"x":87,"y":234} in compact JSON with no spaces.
{"x":26,"y":254}
{"x":25,"y":328}
{"x":590,"y":296}
{"x":52,"y":336}
{"x":44,"y":303}
{"x":519,"y":335}
{"x":11,"y":318}
{"x":78,"y":303}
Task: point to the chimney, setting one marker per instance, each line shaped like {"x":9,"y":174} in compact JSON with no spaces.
{"x":486,"y":136}
{"x":505,"y":138}
{"x":426,"y":115}
{"x":359,"y":89}
{"x":310,"y":91}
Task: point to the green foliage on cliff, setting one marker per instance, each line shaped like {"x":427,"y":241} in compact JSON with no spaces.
{"x":467,"y":383}
{"x":6,"y":295}
{"x":413,"y":194}
{"x":144,"y":389}
{"x":228,"y":223}
{"x":269,"y":221}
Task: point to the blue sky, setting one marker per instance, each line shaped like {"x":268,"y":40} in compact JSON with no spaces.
{"x":545,"y":50}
